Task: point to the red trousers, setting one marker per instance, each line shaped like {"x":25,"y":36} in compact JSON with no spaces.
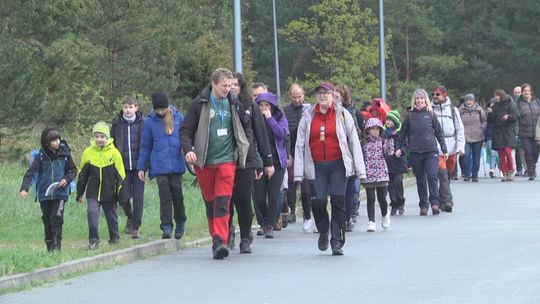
{"x":216,"y":182}
{"x":506,"y":162}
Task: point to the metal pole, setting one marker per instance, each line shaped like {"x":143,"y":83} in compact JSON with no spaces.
{"x":381,"y":50}
{"x":278,"y":89}
{"x":237,"y":44}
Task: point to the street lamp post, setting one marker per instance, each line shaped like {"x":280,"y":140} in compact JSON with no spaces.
{"x":278,"y":89}
{"x":381,"y":50}
{"x":237,"y":44}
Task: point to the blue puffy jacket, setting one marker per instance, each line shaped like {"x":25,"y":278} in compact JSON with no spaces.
{"x":159,"y":151}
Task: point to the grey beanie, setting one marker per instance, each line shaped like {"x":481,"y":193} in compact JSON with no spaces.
{"x":469,"y":96}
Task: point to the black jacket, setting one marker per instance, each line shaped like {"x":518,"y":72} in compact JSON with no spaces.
{"x":504,"y":131}
{"x":396,"y":165}
{"x":421,"y":131}
{"x":293,"y":114}
{"x":255,"y":129}
{"x":127,"y":138}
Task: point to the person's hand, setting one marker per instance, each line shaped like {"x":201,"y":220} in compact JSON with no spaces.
{"x":461,"y":153}
{"x":445,"y":155}
{"x":62,"y":183}
{"x":258,"y":174}
{"x":505,"y":117}
{"x":141,"y":175}
{"x":489,"y":110}
{"x":23,"y":194}
{"x":78,"y":199}
{"x":266,"y":113}
{"x":289,"y":161}
{"x":269,"y":171}
{"x":398,"y":153}
{"x":191,"y":158}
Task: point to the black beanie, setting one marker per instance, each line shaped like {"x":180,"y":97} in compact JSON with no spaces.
{"x":160,"y":100}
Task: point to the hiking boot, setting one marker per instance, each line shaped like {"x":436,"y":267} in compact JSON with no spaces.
{"x":386,"y":221}
{"x":371,"y":227}
{"x":93,"y":245}
{"x":401,"y":210}
{"x":129,"y":226}
{"x":511,"y":175}
{"x":284,"y":219}
{"x":435,"y":210}
{"x":336,"y":249}
{"x":448,"y":208}
{"x":475,"y":179}
{"x":323,"y":241}
{"x":219,"y":251}
{"x":260,"y":232}
{"x":423,"y":211}
{"x":279,"y":224}
{"x":393,"y":211}
{"x":179,"y":231}
{"x":349,"y":226}
{"x":292,"y":218}
{"x":135,"y":234}
{"x":466,"y":179}
{"x":268,"y":232}
{"x":232,"y":237}
{"x":245,"y":246}
{"x":491,"y":173}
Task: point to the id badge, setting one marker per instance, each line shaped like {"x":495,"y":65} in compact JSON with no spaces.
{"x":222,"y":132}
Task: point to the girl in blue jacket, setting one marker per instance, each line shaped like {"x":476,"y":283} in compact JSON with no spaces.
{"x":160,"y":150}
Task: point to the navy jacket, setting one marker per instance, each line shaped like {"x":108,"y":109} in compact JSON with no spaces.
{"x":159,"y":151}
{"x":127,"y":138}
{"x":421,"y":131}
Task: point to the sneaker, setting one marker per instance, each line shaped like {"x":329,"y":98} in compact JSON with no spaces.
{"x":284,"y":220}
{"x":448,"y":208}
{"x":393,"y":211}
{"x":232,"y":238}
{"x":371,"y":227}
{"x":423,"y":211}
{"x":401,"y":210}
{"x":349,"y":226}
{"x":113,"y":241}
{"x":386,"y":221}
{"x":308,"y":225}
{"x":292,"y":218}
{"x":511,"y":175}
{"x":135,"y":233}
{"x":475,"y":179}
{"x":179,"y":230}
{"x":323,"y":241}
{"x":336,"y":249}
{"x":491,"y":173}
{"x":504,"y":177}
{"x":268,"y":232}
{"x":93,"y":245}
{"x":466,"y":179}
{"x":435,"y":209}
{"x":129,"y":226}
{"x":245,"y":246}
{"x":260,"y":232}
{"x":167,"y":232}
{"x":278,"y":225}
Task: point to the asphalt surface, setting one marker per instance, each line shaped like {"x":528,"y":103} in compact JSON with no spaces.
{"x":486,"y":251}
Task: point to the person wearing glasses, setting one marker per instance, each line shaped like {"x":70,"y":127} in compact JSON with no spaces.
{"x":454,"y":138}
{"x":327,"y":153}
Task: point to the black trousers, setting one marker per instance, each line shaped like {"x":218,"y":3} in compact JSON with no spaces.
{"x":531,"y":153}
{"x":53,"y":219}
{"x":241,"y":199}
{"x":381,"y":197}
{"x":110,"y":209}
{"x":132,"y":188}
{"x":395,"y":189}
{"x":266,"y":194}
{"x":171,"y":199}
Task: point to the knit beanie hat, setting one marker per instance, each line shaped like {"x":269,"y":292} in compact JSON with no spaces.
{"x":394,"y":117}
{"x":160,"y":100}
{"x":101,"y":127}
{"x":469,"y":96}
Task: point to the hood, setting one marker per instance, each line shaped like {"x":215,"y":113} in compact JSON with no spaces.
{"x":373,"y":122}
{"x":381,"y":106}
{"x":271,"y":98}
{"x":446,"y":103}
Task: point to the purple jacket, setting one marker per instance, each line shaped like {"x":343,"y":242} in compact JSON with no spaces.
{"x":278,"y":124}
{"x":375,"y":148}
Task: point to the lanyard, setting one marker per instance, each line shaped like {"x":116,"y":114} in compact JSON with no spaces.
{"x":220,"y":113}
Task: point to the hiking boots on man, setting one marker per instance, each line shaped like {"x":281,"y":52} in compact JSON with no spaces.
{"x":129,"y":226}
{"x":245,"y":246}
{"x":135,"y":234}
{"x":219,"y":251}
{"x":323,"y":241}
{"x":423,"y":211}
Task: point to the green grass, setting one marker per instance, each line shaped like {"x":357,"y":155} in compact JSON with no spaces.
{"x":22,"y":246}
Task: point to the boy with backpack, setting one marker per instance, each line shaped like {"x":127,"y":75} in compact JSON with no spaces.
{"x":102,"y":174}
{"x":54,"y":170}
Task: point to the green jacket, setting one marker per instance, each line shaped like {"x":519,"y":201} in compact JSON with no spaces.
{"x":102,"y":172}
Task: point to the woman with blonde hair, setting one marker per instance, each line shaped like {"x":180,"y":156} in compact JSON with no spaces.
{"x":421,"y":132}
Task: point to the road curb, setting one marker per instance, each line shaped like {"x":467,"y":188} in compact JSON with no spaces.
{"x":123,"y":256}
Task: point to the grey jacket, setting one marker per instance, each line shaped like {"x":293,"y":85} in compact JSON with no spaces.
{"x":474,"y":122}
{"x":451,"y":125}
{"x":349,"y":144}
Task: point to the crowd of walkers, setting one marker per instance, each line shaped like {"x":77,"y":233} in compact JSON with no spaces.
{"x":252,"y":155}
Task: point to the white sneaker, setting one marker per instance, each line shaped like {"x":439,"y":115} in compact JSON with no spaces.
{"x":308,"y":225}
{"x":371,"y":227}
{"x":386,"y":221}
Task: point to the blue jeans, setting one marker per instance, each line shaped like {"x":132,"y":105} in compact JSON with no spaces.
{"x":425,"y":168}
{"x":472,"y":158}
{"x":352,"y":196}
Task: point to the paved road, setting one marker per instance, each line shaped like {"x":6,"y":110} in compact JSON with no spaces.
{"x":487,"y":251}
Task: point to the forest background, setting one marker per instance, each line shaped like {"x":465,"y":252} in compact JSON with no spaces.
{"x":68,"y":63}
